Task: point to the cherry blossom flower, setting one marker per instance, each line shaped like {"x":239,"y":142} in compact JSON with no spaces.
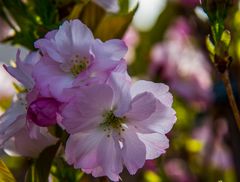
{"x":116,"y":124}
{"x":72,"y":57}
{"x":18,"y":136}
{"x":183,"y":66}
{"x":108,"y":5}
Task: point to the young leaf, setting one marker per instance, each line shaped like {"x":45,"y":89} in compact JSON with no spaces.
{"x":210,"y":46}
{"x":226,"y":38}
{"x":114,"y":26}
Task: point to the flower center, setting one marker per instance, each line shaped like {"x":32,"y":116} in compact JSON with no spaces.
{"x":112,"y":121}
{"x":78,"y":65}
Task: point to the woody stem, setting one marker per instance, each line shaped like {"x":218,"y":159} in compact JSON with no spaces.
{"x":231,"y":99}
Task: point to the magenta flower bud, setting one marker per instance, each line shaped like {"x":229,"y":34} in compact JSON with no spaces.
{"x":43,"y":111}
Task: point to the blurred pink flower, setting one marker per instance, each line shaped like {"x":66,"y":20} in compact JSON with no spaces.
{"x":72,"y":57}
{"x":151,"y":165}
{"x":220,"y":155}
{"x":131,"y":38}
{"x":5,"y":30}
{"x":177,"y":171}
{"x":111,"y":126}
{"x":183,"y":65}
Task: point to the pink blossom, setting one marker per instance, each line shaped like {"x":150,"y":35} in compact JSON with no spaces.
{"x":177,"y":170}
{"x":108,"y":5}
{"x":220,"y":156}
{"x":116,"y":124}
{"x":19,"y":138}
{"x":72,"y":57}
{"x":183,"y":66}
{"x":43,"y":111}
{"x":17,"y":135}
{"x":131,"y":38}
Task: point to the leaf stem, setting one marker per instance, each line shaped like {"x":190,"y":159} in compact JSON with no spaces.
{"x":231,"y":99}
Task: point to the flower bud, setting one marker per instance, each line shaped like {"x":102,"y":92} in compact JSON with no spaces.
{"x":43,"y":111}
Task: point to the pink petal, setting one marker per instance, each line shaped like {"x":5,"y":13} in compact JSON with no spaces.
{"x":108,"y":54}
{"x":12,"y":129}
{"x":47,"y":47}
{"x":13,"y":119}
{"x":159,"y":90}
{"x":23,"y":145}
{"x":63,"y":40}
{"x":133,"y":151}
{"x":50,"y":79}
{"x":161,"y":121}
{"x":121,"y":87}
{"x":23,"y":71}
{"x":82,"y":149}
{"x":109,"y":156}
{"x":155,"y":144}
{"x":82,"y":37}
{"x":142,"y":107}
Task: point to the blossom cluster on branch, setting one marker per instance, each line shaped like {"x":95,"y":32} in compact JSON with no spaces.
{"x":82,"y":85}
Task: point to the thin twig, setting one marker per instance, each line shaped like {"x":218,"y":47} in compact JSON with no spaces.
{"x":231,"y":99}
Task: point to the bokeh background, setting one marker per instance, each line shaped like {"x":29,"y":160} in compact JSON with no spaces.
{"x":166,"y":43}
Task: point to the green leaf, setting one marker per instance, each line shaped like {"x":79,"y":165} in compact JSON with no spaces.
{"x":77,"y":9}
{"x":124,"y":6}
{"x":210,"y":46}
{"x":226,"y":38}
{"x":40,"y":170}
{"x":91,"y":15}
{"x":5,"y":174}
{"x":114,"y":26}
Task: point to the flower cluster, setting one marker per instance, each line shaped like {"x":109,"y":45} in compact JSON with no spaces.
{"x":81,"y":84}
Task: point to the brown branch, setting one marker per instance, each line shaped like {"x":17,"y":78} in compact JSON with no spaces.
{"x":231,"y":99}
